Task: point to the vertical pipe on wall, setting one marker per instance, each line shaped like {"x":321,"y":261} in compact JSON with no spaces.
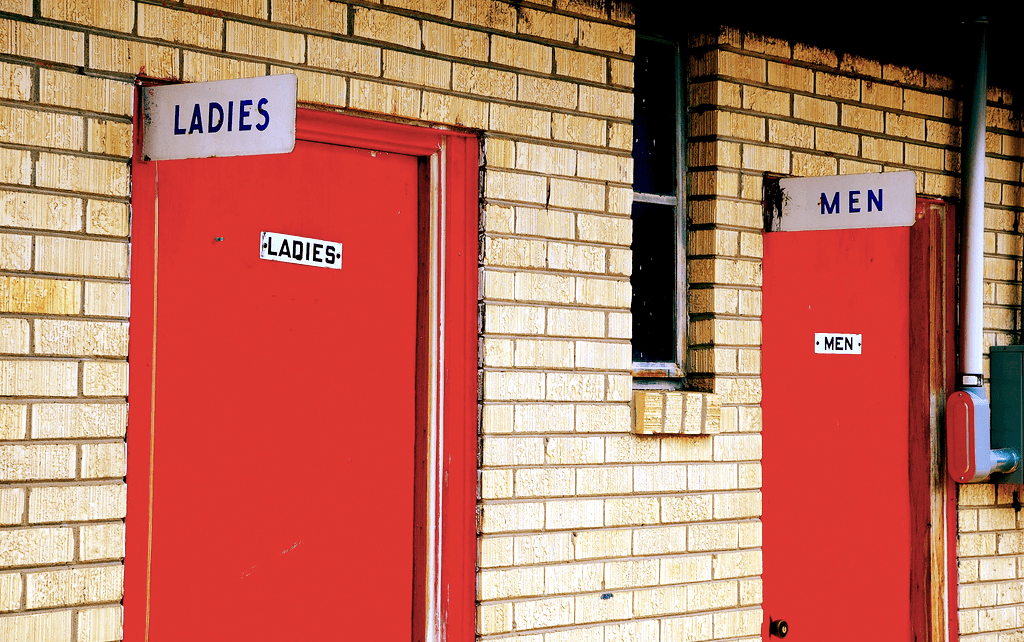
{"x":972,"y":259}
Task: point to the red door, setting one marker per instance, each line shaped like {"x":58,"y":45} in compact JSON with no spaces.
{"x":837,"y":520}
{"x":281,"y":439}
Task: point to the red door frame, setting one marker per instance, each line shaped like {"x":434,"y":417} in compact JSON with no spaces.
{"x":448,"y":387}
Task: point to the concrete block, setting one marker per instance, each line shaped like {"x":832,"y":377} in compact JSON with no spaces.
{"x":602,"y":418}
{"x":40,"y":211}
{"x":481,"y":81}
{"x":597,"y":608}
{"x":81,"y":257}
{"x":830,"y":140}
{"x":74,"y":586}
{"x":685,"y":569}
{"x":99,"y":625}
{"x":606,"y":102}
{"x":547,"y":25}
{"x":387,"y":27}
{"x":52,"y":626}
{"x":29,"y":462}
{"x":628,"y":574}
{"x":418,"y":70}
{"x":606,"y":37}
{"x":686,"y":508}
{"x":78,"y":420}
{"x":506,"y":583}
{"x":574,"y":450}
{"x":602,"y":544}
{"x":385,"y":99}
{"x":513,"y":386}
{"x":610,"y":293}
{"x":545,"y":159}
{"x":36,"y":546}
{"x":659,"y":540}
{"x":15,"y":252}
{"x":101,"y":542}
{"x":544,"y":482}
{"x":604,"y":480}
{"x":250,"y":8}
{"x":200,"y":67}
{"x":816,"y":110}
{"x":261,"y":42}
{"x":10,"y":592}
{"x":494,"y":618}
{"x":104,"y":460}
{"x":184,"y":27}
{"x":631,"y":511}
{"x":519,"y":516}
{"x":344,"y":56}
{"x":861,"y":118}
{"x":543,"y":548}
{"x":515,"y":319}
{"x":494,"y":551}
{"x":513,"y":451}
{"x":520,"y":120}
{"x":110,"y":137}
{"x":13,"y":418}
{"x":880,"y":149}
{"x":536,"y":614}
{"x":929,"y":104}
{"x":577,"y":64}
{"x":580,"y":129}
{"x":486,"y":13}
{"x":547,"y":92}
{"x":452,"y":41}
{"x":320,"y":15}
{"x":133,"y":57}
{"x":813,"y":165}
{"x":38,"y":378}
{"x":575,"y":323}
{"x":105,"y":378}
{"x":790,"y":76}
{"x":30,"y":40}
{"x":81,"y":338}
{"x":80,"y":174}
{"x":76,"y":503}
{"x":521,"y":54}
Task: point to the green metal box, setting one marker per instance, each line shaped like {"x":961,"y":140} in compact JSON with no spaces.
{"x":1007,"y":385}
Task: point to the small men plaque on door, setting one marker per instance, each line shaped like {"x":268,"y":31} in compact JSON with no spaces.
{"x":832,"y":343}
{"x":300,"y":250}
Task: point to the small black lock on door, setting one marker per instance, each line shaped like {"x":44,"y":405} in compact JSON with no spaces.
{"x":778,"y":628}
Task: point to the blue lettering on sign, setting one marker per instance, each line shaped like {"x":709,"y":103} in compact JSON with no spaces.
{"x":852,"y":200}
{"x":833,"y":207}
{"x":216,"y":120}
{"x":872,"y":199}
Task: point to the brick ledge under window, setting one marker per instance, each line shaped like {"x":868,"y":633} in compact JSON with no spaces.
{"x":671,"y":412}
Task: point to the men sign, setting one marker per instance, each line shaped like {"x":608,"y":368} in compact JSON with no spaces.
{"x":848,"y":202}
{"x":242,"y":117}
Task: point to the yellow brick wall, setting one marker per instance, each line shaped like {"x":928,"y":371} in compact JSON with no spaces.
{"x":765,"y":105}
{"x":588,"y":531}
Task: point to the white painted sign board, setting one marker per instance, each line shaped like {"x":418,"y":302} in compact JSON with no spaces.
{"x":833,"y":343}
{"x":242,"y":117}
{"x":300,"y":250}
{"x":848,"y":202}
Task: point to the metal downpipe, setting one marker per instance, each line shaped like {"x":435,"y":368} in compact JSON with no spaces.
{"x":969,"y":454}
{"x":972,"y":257}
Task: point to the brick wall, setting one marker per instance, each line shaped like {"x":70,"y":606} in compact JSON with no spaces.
{"x":588,"y":531}
{"x":766,"y":105}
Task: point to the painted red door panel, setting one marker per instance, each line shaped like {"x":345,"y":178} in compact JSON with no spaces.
{"x":285,"y":421}
{"x":835,"y":435}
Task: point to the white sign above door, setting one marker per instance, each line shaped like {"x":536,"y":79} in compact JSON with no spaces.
{"x":242,"y":117}
{"x":848,"y":202}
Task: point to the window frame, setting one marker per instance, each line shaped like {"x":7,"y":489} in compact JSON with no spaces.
{"x":669,"y":374}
